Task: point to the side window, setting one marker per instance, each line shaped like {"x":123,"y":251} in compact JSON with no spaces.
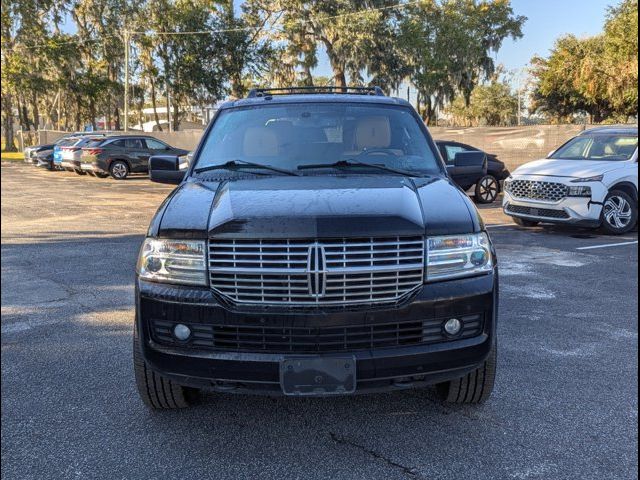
{"x":153,"y":144}
{"x":133,"y":143}
{"x":452,"y":150}
{"x":118,"y":143}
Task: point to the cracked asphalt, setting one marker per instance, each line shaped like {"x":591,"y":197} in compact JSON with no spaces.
{"x":565,"y":404}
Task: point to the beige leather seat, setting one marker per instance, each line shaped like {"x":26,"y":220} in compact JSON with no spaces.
{"x":372,"y":133}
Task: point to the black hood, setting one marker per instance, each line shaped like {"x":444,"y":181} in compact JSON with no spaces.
{"x":348,"y":205}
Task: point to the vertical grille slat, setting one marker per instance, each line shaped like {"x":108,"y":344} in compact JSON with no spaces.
{"x":311,"y":272}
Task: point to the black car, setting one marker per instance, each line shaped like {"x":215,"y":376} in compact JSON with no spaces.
{"x":315,"y":246}
{"x":120,"y":155}
{"x":487,"y":186}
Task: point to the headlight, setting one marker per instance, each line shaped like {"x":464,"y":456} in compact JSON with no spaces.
{"x":580,"y":191}
{"x":597,"y":178}
{"x":173,"y":261}
{"x":456,"y":256}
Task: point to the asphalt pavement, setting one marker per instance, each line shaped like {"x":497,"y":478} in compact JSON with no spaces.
{"x":565,"y":404}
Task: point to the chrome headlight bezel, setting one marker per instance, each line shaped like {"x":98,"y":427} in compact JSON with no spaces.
{"x":595,"y":178}
{"x":457,"y":256}
{"x":182,"y":262}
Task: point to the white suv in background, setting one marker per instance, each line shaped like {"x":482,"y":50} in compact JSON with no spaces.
{"x":592,"y":180}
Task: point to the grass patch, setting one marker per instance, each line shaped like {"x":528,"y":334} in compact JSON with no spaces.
{"x":12,"y":156}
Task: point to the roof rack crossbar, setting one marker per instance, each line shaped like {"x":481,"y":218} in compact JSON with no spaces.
{"x":264,"y":92}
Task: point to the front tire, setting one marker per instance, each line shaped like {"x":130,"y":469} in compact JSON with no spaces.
{"x":487,"y":189}
{"x":525,"y":223}
{"x":156,"y":391}
{"x":619,"y":213}
{"x":80,"y":172}
{"x":474,"y":387}
{"x":119,"y":170}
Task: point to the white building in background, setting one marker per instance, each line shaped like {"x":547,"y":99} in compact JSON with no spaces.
{"x":195,"y":118}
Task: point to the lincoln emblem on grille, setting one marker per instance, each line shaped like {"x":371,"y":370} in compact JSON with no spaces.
{"x":316,"y":270}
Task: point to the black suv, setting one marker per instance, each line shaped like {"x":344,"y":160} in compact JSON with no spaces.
{"x":315,"y":246}
{"x":120,"y":155}
{"x":487,"y":185}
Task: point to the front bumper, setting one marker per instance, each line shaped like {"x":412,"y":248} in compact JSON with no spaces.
{"x":580,"y":211}
{"x":378,"y":369}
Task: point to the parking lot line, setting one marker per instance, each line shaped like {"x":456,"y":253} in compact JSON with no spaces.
{"x":619,"y":244}
{"x":502,"y":225}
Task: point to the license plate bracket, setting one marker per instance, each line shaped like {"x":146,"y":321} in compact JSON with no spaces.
{"x":318,"y":376}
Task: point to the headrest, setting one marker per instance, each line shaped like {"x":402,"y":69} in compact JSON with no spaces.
{"x":373,"y":132}
{"x":260,"y":142}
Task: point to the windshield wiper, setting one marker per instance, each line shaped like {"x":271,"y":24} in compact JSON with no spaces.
{"x":231,"y":164}
{"x":355,"y":163}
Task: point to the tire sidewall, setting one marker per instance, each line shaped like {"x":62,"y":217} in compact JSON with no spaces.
{"x":119,"y":162}
{"x":611,"y":229}
{"x":478,"y":187}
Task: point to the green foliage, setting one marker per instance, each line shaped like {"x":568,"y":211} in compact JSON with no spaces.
{"x":447,"y":46}
{"x":596,"y":75}
{"x":493,"y":104}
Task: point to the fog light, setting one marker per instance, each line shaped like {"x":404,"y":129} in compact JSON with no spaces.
{"x":181,"y":332}
{"x":453,"y":326}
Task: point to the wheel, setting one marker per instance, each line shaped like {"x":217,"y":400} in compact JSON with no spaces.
{"x":474,"y":387}
{"x":487,"y":189}
{"x":80,"y":172}
{"x":619,"y":213}
{"x":525,"y":223}
{"x":156,"y":391}
{"x":119,"y":169}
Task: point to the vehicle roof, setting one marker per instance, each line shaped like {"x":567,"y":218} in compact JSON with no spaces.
{"x":611,"y":131}
{"x":314,"y":98}
{"x":118,"y":137}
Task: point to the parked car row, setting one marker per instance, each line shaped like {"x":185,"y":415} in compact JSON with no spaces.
{"x":100,"y":154}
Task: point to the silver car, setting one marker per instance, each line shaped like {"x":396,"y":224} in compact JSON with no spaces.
{"x":71,"y":152}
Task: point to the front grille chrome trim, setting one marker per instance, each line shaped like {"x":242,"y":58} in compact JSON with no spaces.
{"x":316,"y":272}
{"x":538,"y":190}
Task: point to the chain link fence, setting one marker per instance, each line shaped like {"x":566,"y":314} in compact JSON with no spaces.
{"x":513,"y":145}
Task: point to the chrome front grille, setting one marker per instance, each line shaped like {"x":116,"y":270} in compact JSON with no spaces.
{"x":534,"y":190}
{"x":343,"y":271}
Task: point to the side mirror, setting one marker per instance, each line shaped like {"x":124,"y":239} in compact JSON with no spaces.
{"x":470,"y":163}
{"x":165,"y":169}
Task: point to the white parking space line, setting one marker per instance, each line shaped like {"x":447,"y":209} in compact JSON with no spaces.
{"x":502,"y":225}
{"x":619,"y":244}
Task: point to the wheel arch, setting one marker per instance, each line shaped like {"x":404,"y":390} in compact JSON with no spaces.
{"x":626,"y":187}
{"x":119,"y":159}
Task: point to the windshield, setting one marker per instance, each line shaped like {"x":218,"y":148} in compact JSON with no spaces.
{"x":290,"y":136}
{"x":598,"y":147}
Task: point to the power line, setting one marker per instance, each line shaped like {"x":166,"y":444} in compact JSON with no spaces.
{"x":224,"y":30}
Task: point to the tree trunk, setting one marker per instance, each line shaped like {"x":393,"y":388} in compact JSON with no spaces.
{"x":339,"y":77}
{"x":154,"y":103}
{"x":176,"y":116}
{"x":117,"y":116}
{"x":36,"y":111}
{"x":92,"y":110}
{"x":7,"y":123}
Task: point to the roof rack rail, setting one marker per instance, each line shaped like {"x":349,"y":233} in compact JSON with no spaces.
{"x":266,"y":92}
